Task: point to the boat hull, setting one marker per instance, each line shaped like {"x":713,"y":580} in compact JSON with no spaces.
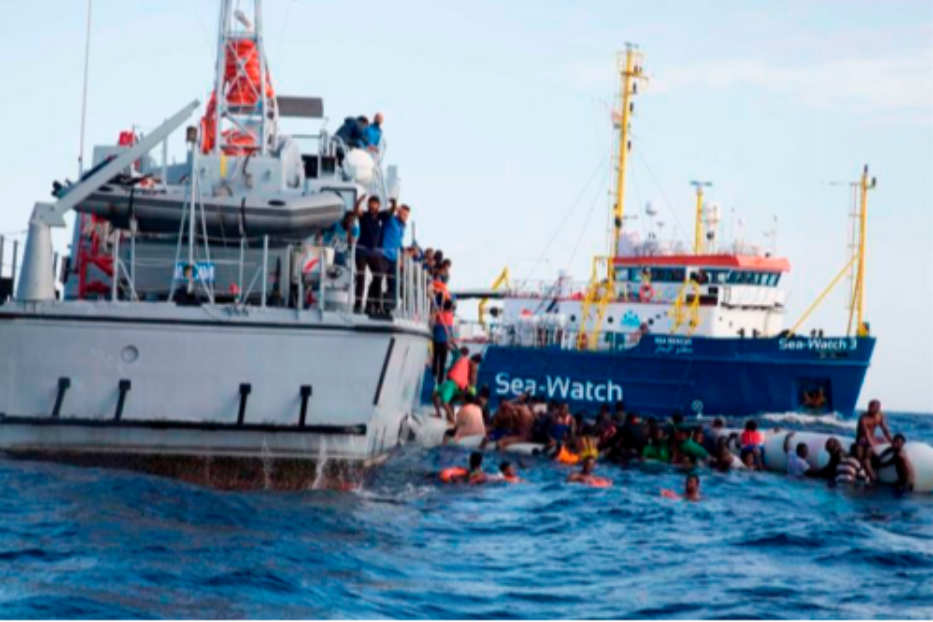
{"x":665,"y":374}
{"x":137,"y":384}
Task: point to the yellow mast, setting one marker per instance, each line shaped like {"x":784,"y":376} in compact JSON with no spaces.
{"x":857,"y":258}
{"x":698,"y":234}
{"x":864,"y":186}
{"x":602,"y":290}
{"x":631,"y":72}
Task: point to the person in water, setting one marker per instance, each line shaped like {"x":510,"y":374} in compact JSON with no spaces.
{"x":797,"y":465}
{"x":476,"y":474}
{"x":896,"y":455}
{"x":836,"y":454}
{"x":459,"y":475}
{"x":754,"y":440}
{"x":850,"y":469}
{"x":869,"y":423}
{"x":657,"y":447}
{"x":691,"y":490}
{"x":508,"y":473}
{"x":749,"y":459}
{"x":587,"y":476}
{"x":722,"y":458}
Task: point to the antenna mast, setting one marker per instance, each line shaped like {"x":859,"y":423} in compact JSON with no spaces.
{"x":864,"y":186}
{"x":631,"y":72}
{"x":87,"y":58}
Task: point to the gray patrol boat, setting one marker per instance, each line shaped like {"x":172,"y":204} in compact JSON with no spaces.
{"x":200,"y":328}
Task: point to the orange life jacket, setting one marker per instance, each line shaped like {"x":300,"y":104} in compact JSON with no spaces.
{"x":460,"y":373}
{"x":452,"y":474}
{"x":566,"y":457}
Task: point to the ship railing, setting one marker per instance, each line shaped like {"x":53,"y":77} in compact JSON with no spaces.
{"x":402,"y":291}
{"x":9,"y":265}
{"x":263,"y":272}
{"x":546,"y":289}
{"x":540,"y":336}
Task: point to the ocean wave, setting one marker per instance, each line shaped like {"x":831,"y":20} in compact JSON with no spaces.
{"x":82,"y":544}
{"x":831,"y":420}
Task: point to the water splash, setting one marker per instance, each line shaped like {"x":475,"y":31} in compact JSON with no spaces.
{"x":322,"y":458}
{"x":267,"y":464}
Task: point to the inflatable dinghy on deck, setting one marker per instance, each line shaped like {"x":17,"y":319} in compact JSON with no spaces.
{"x":272,"y":214}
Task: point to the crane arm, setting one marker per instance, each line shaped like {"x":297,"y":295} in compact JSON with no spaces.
{"x":53,"y":214}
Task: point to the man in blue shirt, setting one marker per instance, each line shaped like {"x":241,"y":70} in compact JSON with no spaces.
{"x":373,"y":133}
{"x":393,"y":236}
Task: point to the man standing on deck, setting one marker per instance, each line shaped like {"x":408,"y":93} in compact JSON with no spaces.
{"x":367,"y":254}
{"x":393,"y":235}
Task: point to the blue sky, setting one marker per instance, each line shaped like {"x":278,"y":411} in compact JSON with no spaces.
{"x":497,"y":117}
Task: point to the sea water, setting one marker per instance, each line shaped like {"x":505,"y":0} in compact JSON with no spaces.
{"x":94,"y":543}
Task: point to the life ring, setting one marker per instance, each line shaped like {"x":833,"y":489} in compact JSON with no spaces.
{"x":646,"y":292}
{"x":596,"y":481}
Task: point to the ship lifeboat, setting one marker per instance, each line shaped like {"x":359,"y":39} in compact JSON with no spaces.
{"x":255,"y":214}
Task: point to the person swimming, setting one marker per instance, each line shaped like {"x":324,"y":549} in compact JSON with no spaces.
{"x":508,"y":473}
{"x":691,"y":490}
{"x":586,"y":475}
{"x":459,"y":475}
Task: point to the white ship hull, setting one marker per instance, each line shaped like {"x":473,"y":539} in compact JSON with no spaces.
{"x":205,"y":386}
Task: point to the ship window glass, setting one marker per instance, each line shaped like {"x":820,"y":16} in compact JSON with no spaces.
{"x":775,"y":279}
{"x":621,"y":274}
{"x":717,"y":276}
{"x":677,"y":275}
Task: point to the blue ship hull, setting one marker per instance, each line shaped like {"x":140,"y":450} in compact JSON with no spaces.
{"x":665,"y":374}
